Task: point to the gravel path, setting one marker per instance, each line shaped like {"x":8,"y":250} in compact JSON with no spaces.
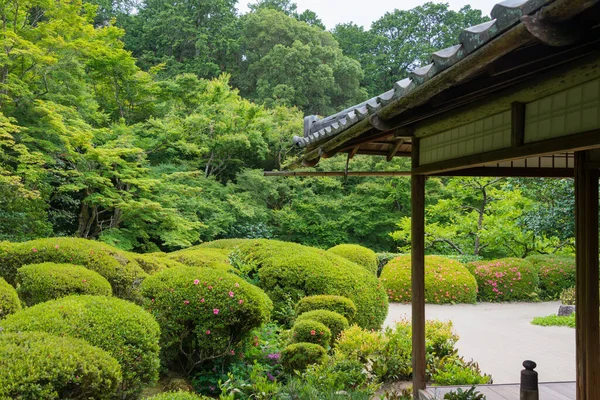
{"x":500,"y":336}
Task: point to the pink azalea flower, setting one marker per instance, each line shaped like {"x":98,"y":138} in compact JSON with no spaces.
{"x":232,"y":353}
{"x":34,"y":250}
{"x":231,"y":294}
{"x":313,"y":333}
{"x":84,"y":281}
{"x":241,"y":301}
{"x":216,"y":311}
{"x":237,"y":284}
{"x":202,"y":300}
{"x":186,"y":302}
{"x":196,"y":281}
{"x":56,"y":247}
{"x":208,"y":332}
{"x":209,"y":287}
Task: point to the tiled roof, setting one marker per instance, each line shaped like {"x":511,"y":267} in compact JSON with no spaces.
{"x":504,"y":15}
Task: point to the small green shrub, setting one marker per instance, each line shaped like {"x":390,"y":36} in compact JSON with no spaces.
{"x":9,"y":300}
{"x":113,"y":264}
{"x":446,"y":281}
{"x":339,"y":304}
{"x":298,"y":356}
{"x":334,"y":321}
{"x":455,"y":370}
{"x":554,"y":320}
{"x":360,"y":255}
{"x":311,"y":331}
{"x":506,"y":279}
{"x":460,"y":394}
{"x":123,"y":329}
{"x":567,"y":297}
{"x":180,"y":395}
{"x":36,"y":365}
{"x":556,"y":273}
{"x":152,"y":263}
{"x":202,"y":312}
{"x":202,"y":258}
{"x":38,"y":283}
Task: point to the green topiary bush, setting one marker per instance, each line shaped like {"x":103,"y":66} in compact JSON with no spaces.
{"x":124,"y":330}
{"x":225,"y":244}
{"x":288,"y":272}
{"x":9,"y":300}
{"x":36,"y":365}
{"x":506,"y":279}
{"x":181,"y":395}
{"x":360,"y":255}
{"x":152,"y":263}
{"x":446,"y":281}
{"x":47,"y":281}
{"x":203,"y":258}
{"x":311,"y":331}
{"x":202,"y":312}
{"x":340,"y":304}
{"x":298,"y":356}
{"x":115,"y":265}
{"x":567,"y":297}
{"x":556,"y":273}
{"x":334,"y":321}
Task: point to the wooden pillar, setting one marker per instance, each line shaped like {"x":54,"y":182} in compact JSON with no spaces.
{"x":418,"y":276}
{"x":587,"y":315}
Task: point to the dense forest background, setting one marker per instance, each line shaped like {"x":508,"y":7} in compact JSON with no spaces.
{"x":147,"y":124}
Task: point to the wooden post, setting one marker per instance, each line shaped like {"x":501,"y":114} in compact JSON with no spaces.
{"x":587,"y":315}
{"x":529,"y":382}
{"x":418,"y":277}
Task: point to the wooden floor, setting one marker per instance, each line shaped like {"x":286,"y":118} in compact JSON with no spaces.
{"x":548,"y":391}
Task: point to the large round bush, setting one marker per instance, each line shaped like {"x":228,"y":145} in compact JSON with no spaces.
{"x":47,"y":281}
{"x":154,"y":262}
{"x":9,"y":300}
{"x":288,"y":272}
{"x":360,"y":255}
{"x":332,"y":320}
{"x":36,"y":365}
{"x":123,"y":329}
{"x":506,"y":279}
{"x":446,"y":281}
{"x":339,"y":304}
{"x":203,"y":258}
{"x":311,"y":331}
{"x":224,"y":244}
{"x":556,"y":274}
{"x":298,"y":356}
{"x":115,"y":265}
{"x":202,"y":312}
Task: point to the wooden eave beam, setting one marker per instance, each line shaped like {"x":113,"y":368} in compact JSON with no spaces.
{"x":394,"y":149}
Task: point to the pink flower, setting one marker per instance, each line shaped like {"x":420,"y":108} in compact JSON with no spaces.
{"x":237,"y":284}
{"x":241,"y":301}
{"x":202,"y":300}
{"x":313,"y":333}
{"x":153,"y":300}
{"x":231,"y":294}
{"x":209,"y":287}
{"x":186,"y":302}
{"x":34,"y":250}
{"x":216,"y":311}
{"x":196,"y":281}
{"x":232,"y":353}
{"x":56,"y":247}
{"x":208,"y":332}
{"x":84,"y":281}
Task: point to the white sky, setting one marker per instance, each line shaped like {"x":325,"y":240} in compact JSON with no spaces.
{"x":363,"y":12}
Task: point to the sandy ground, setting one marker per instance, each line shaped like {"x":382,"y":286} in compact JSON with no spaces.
{"x":500,"y":337}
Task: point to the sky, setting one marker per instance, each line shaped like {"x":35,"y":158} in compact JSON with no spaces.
{"x":363,"y":12}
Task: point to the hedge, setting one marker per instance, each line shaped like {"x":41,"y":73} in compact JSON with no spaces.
{"x":311,"y":331}
{"x":36,"y":365}
{"x":556,"y":274}
{"x":203,"y":258}
{"x":340,"y":304}
{"x":38,"y":283}
{"x":180,"y":395}
{"x":155,"y":262}
{"x":360,"y":255}
{"x":288,"y":272}
{"x":298,"y":356}
{"x":332,"y":320}
{"x":506,"y":279}
{"x":123,"y":329}
{"x":115,"y":265}
{"x":202,"y":312}
{"x":446,"y":281}
{"x":224,"y":244}
{"x":9,"y":300}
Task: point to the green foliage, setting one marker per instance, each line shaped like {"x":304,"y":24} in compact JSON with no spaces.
{"x":154,"y":262}
{"x":298,"y":356}
{"x":556,"y":274}
{"x":38,"y":283}
{"x":506,"y":279}
{"x":460,"y":394}
{"x":331,"y":319}
{"x":455,"y":370}
{"x":311,"y":331}
{"x":9,"y":300}
{"x":383,"y":259}
{"x":115,"y":265}
{"x":360,"y":255}
{"x":223,"y":244}
{"x":203,"y":313}
{"x":36,"y":365}
{"x":554,"y":320}
{"x":339,"y":304}
{"x":567,"y":297}
{"x":446,"y":281}
{"x":181,"y":395}
{"x":288,"y":269}
{"x":202,"y":258}
{"x":121,"y":328}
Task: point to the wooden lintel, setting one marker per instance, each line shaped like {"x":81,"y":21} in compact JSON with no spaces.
{"x":337,"y":173}
{"x":517,"y":124}
{"x":513,"y":172}
{"x":395,"y":149}
{"x":382,"y":153}
{"x":577,"y":142}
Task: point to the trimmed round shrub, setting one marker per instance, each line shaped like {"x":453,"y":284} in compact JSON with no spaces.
{"x":36,"y":365}
{"x":360,"y":255}
{"x":298,"y":356}
{"x":202,"y":312}
{"x":225,"y":244}
{"x":506,"y":279}
{"x":47,"y":281}
{"x":9,"y":300}
{"x":123,"y":329}
{"x":556,"y":273}
{"x":567,"y":297}
{"x":288,"y":272}
{"x":203,"y":258}
{"x":334,"y":321}
{"x":155,"y":262}
{"x":311,"y":331}
{"x":180,"y":395}
{"x":446,"y":281}
{"x":383,"y":259}
{"x":340,"y":304}
{"x":113,"y":264}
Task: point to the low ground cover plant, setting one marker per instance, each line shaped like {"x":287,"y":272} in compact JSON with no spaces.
{"x":506,"y":279}
{"x":554,"y":320}
{"x":9,"y":300}
{"x":360,"y":255}
{"x":446,"y":281}
{"x":556,"y":273}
